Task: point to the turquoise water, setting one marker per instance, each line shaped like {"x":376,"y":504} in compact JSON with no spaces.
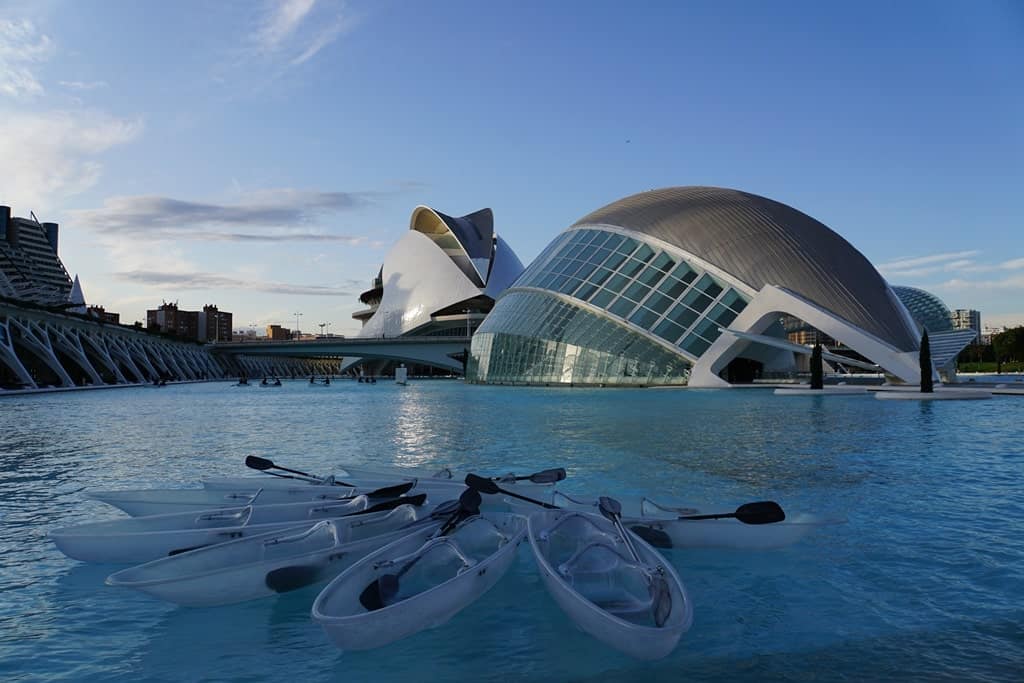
{"x":924,"y":581}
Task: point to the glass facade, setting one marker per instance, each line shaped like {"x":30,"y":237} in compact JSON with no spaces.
{"x":647,"y":289}
{"x":535,"y":338}
{"x":926,"y":309}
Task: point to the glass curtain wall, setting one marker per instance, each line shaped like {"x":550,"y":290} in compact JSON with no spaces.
{"x":644,"y":286}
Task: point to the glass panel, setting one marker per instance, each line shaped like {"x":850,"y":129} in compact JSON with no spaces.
{"x":602,"y":298}
{"x":627,"y":246}
{"x":684,"y":272}
{"x":650,"y":276}
{"x":708,"y":329}
{"x":672,"y":287}
{"x":598,"y":255}
{"x":722,"y":315}
{"x":600,"y":275}
{"x":695,"y":300}
{"x":616,"y":283}
{"x":600,"y":238}
{"x":659,"y":302}
{"x":695,"y":345}
{"x":637,"y":291}
{"x":585,"y":291}
{"x":734,"y":300}
{"x":558,"y":281}
{"x":644,"y":317}
{"x":622,"y":307}
{"x":569,"y":285}
{"x":644,"y":253}
{"x":668,"y":331}
{"x":614,"y":240}
{"x":663,"y":262}
{"x":614,"y":260}
{"x":682,"y":315}
{"x":585,"y":270}
{"x":709,"y":286}
{"x":631,"y":268}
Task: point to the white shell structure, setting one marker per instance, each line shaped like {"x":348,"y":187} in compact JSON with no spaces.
{"x":441,"y":267}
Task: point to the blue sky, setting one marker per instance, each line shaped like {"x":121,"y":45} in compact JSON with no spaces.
{"x":263,"y":155}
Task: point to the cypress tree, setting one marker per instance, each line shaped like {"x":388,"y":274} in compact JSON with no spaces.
{"x":817,"y":369}
{"x":926,"y":365}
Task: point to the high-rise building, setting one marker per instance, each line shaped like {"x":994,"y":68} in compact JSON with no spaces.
{"x":214,"y":324}
{"x":30,"y":269}
{"x":967,"y":319}
{"x":278,"y":333}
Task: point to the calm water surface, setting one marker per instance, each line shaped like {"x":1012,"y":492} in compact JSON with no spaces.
{"x":924,"y":581}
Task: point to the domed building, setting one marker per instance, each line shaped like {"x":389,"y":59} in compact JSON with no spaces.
{"x":440,"y":279}
{"x":930,"y":313}
{"x":688,"y":285}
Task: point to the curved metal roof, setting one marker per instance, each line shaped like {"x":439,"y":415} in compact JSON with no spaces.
{"x":761,"y":241}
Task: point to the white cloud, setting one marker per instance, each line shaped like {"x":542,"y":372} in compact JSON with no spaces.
{"x":322,"y":39}
{"x":55,"y":152}
{"x":21,"y":48}
{"x":280,"y":22}
{"x":1014,"y":281}
{"x":83,"y":85}
{"x":913,"y":265}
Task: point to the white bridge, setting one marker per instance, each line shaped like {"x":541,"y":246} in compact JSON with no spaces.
{"x":442,"y":352}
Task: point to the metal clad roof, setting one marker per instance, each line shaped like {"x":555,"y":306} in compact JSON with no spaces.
{"x":761,"y":241}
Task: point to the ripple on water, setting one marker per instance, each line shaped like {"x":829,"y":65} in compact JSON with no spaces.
{"x":922,"y":582}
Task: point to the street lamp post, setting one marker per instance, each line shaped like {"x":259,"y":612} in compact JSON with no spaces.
{"x":296,"y":335}
{"x":322,"y":328}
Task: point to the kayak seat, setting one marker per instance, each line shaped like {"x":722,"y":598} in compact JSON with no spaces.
{"x":321,"y":536}
{"x":340,"y":508}
{"x":479,"y":538}
{"x":223,"y":518}
{"x":401,"y":516}
{"x":604,"y":575}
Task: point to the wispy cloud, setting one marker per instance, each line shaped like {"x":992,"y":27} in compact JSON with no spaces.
{"x":1012,"y":281}
{"x":267,"y":216}
{"x":22,"y":47}
{"x":83,"y":85}
{"x":291,"y":32}
{"x":53,"y":154}
{"x":216,"y":281}
{"x":920,"y":265}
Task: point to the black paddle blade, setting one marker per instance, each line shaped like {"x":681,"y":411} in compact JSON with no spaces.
{"x":284,"y":579}
{"x":548,"y":476}
{"x":379,"y":593}
{"x":258,"y":463}
{"x":482,"y":484}
{"x":655,"y":537}
{"x":762,"y":512}
{"x":470,"y":501}
{"x":609,"y":507}
{"x":390,"y":491}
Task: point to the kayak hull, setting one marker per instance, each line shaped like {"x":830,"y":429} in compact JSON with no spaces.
{"x":141,"y":539}
{"x":631,"y":637}
{"x":266,"y":564}
{"x":350,"y":626}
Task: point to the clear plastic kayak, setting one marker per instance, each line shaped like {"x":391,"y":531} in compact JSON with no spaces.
{"x":660,"y":525}
{"x":438,"y":578}
{"x":142,"y":539}
{"x":640,"y":608}
{"x":267,"y":564}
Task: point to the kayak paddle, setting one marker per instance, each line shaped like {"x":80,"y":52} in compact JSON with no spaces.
{"x":761,"y":512}
{"x":383,"y":590}
{"x":661,"y":596}
{"x":485,"y":485}
{"x":543,"y":477}
{"x":262,"y":464}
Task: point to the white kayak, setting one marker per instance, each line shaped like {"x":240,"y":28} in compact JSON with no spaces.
{"x":142,"y":539}
{"x":661,"y":526}
{"x":439,"y":577}
{"x":267,"y":564}
{"x":640,"y":608}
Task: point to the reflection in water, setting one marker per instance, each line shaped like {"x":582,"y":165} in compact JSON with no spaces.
{"x":931,"y":492}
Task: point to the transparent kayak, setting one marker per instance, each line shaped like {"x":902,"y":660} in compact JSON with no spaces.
{"x":641,"y":609}
{"x":267,"y":564}
{"x":439,"y":577}
{"x":142,"y":539}
{"x":659,"y":525}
